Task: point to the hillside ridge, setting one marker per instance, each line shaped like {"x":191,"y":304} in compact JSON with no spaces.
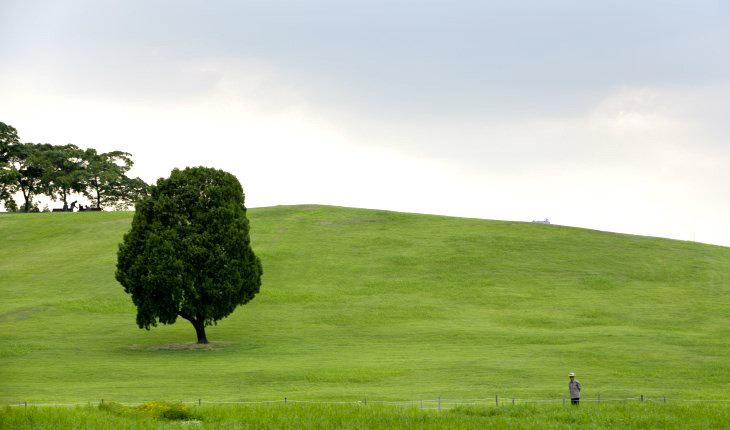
{"x":362,"y":303}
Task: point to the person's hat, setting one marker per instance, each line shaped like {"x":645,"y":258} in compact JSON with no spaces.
{"x":571,"y":374}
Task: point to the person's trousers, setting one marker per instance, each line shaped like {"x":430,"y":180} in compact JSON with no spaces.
{"x":574,"y":401}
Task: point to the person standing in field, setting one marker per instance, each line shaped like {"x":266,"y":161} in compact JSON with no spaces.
{"x":574,"y":387}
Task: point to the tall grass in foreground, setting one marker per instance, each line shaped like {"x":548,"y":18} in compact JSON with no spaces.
{"x":528,"y":416}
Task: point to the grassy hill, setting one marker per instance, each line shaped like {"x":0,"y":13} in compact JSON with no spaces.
{"x":371,"y":304}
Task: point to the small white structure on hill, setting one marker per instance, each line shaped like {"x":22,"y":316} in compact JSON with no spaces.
{"x":546,"y":221}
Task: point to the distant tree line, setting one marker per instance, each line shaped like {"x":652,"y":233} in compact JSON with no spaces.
{"x":34,"y":169}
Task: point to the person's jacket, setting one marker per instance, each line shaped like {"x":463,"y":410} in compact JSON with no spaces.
{"x":574,"y":387}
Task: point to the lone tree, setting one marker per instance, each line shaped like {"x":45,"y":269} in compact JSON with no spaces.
{"x":188,"y":252}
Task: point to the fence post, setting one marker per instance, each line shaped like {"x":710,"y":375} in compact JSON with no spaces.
{"x":496,"y":399}
{"x":665,"y":399}
{"x":439,"y":403}
{"x":102,"y":401}
{"x":365,"y":401}
{"x":642,"y":397}
{"x":599,"y":397}
{"x":513,"y":402}
{"x":421,"y":404}
{"x":285,"y":400}
{"x":200,"y":402}
{"x":26,"y":404}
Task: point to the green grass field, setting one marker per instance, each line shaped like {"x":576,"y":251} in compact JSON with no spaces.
{"x":362,"y":304}
{"x":295,"y":417}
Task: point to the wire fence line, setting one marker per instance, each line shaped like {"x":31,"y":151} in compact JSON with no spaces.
{"x":425,"y":404}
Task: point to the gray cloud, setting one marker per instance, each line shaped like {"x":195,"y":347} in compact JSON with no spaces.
{"x":600,"y":93}
{"x":425,"y":58}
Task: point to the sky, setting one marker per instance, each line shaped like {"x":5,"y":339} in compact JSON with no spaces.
{"x":608,"y":115}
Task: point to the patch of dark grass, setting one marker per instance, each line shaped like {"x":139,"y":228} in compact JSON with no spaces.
{"x":160,"y":410}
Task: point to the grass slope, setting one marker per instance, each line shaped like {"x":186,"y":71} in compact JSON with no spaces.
{"x":371,"y":304}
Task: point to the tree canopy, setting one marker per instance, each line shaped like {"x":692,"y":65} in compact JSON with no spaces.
{"x":58,"y":171}
{"x":24,"y":172}
{"x":63,"y":172}
{"x":188,"y":252}
{"x":106,"y":180}
{"x":8,"y":138}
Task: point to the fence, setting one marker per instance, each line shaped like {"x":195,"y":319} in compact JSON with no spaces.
{"x":438,"y":404}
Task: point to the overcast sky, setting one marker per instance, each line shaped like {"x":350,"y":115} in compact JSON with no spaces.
{"x":610,"y":115}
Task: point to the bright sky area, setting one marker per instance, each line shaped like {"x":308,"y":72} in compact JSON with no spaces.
{"x":610,"y":115}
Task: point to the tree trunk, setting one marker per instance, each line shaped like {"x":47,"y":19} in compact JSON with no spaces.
{"x":198,"y":323}
{"x":26,"y":206}
{"x":200,"y":331}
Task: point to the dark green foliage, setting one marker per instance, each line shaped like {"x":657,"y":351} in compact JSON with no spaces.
{"x":58,"y":171}
{"x":10,"y":205}
{"x":8,"y":136}
{"x":25,"y":171}
{"x":127,"y":191}
{"x":106,"y":180}
{"x":188,"y":252}
{"x":63,"y":172}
